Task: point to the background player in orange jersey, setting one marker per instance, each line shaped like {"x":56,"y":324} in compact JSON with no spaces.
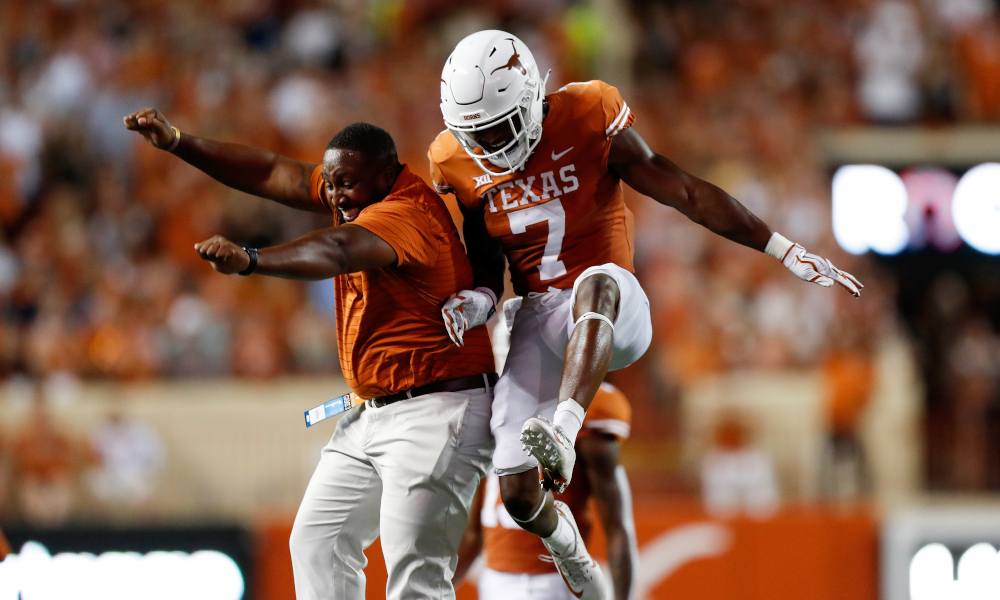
{"x":515,"y":569}
{"x":538,"y":178}
{"x":4,"y":546}
{"x":405,"y":463}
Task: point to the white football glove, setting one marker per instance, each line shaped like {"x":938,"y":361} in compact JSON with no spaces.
{"x":810,"y":267}
{"x":467,"y":309}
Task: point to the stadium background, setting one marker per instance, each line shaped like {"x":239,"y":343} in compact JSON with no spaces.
{"x":151,"y":404}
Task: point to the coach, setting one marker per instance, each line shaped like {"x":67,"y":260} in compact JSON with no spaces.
{"x":405,"y":463}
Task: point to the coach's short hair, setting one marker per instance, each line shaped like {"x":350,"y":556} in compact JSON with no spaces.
{"x":374,"y":142}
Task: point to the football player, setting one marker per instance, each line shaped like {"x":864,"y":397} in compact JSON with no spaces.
{"x":4,"y":546}
{"x":516,"y":568}
{"x":538,"y":178}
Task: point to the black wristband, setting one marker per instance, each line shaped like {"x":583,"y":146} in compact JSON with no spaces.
{"x":252,"y":253}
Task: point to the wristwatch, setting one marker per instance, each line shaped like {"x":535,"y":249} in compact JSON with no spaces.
{"x":252,"y":253}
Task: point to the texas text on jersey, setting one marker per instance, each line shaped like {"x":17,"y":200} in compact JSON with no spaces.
{"x":564,"y":211}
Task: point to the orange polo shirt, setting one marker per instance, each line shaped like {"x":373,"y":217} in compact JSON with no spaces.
{"x":390,"y":332}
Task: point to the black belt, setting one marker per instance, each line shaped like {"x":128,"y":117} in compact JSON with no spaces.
{"x":459,"y":384}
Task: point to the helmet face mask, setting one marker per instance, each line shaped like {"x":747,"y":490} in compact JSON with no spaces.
{"x":476,"y":99}
{"x":507,"y":156}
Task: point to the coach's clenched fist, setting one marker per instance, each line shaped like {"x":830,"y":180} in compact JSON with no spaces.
{"x":225,"y":256}
{"x":154,"y":128}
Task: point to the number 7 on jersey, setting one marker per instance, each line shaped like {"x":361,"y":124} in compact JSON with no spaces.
{"x":553,"y":213}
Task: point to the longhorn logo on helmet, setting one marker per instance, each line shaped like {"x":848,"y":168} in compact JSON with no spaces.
{"x":514,"y":62}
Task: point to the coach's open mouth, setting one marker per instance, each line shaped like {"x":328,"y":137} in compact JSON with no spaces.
{"x":349,"y":214}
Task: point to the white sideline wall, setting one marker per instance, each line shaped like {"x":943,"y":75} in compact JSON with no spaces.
{"x":785,"y":414}
{"x":240,"y":449}
{"x":234,"y":449}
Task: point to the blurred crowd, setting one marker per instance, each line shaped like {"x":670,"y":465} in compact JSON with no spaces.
{"x":735,"y":92}
{"x":97,"y":273}
{"x":50,"y":475}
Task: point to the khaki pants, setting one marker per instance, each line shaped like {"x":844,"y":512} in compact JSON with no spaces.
{"x":497,"y":585}
{"x":407,"y":472}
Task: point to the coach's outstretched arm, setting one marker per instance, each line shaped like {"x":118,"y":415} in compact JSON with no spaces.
{"x":321,"y":254}
{"x":252,"y":170}
{"x":656,"y":176}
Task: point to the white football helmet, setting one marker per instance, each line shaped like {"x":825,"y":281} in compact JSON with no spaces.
{"x":489,"y":79}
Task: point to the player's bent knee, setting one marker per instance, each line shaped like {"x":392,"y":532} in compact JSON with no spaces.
{"x":523,"y":509}
{"x":521,"y":494}
{"x":598,"y":293}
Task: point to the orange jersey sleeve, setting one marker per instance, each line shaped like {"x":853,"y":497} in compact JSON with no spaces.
{"x":437,"y":177}
{"x":617,"y":115}
{"x":564,"y":211}
{"x":601,"y":107}
{"x":404,"y":226}
{"x":609,"y":413}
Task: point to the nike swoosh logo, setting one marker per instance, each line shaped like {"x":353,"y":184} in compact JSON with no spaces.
{"x":570,"y":587}
{"x":561,"y":154}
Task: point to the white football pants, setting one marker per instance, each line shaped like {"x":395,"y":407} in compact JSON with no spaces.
{"x":540,"y":327}
{"x":407,"y":471}
{"x":497,"y":585}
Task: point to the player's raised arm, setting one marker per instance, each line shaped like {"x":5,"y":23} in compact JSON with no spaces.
{"x":471,"y":308}
{"x":484,"y":251}
{"x":245,"y":168}
{"x":656,"y":176}
{"x":609,"y":487}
